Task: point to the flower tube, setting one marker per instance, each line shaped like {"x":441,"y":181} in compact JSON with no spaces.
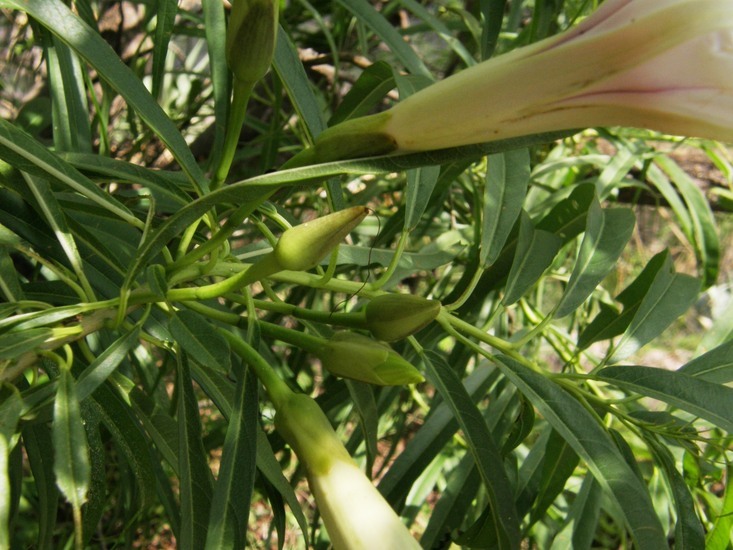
{"x":666,"y":65}
{"x":355,"y":514}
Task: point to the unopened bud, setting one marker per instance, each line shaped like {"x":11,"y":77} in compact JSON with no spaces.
{"x":354,"y":512}
{"x":392,"y":317}
{"x":251,"y":36}
{"x":302,"y":247}
{"x":354,"y":356}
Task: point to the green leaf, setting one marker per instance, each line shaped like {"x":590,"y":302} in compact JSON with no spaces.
{"x":290,"y":70}
{"x":536,"y":249}
{"x":429,"y":440}
{"x":270,"y":468}
{"x":609,"y":322}
{"x":704,"y":236}
{"x":506,"y":187}
{"x":689,"y":532}
{"x":233,"y":489}
{"x":103,"y":366}
{"x":215,"y":29}
{"x":54,"y":215}
{"x":560,"y":461}
{"x":165,"y":18}
{"x":482,"y":447}
{"x":365,"y":406}
{"x":37,"y":439}
{"x":61,"y":21}
{"x":370,"y":17}
{"x":606,"y":234}
{"x":14,"y":344}
{"x":11,"y":408}
{"x":113,"y":408}
{"x":441,"y":30}
{"x":200,"y":340}
{"x":70,"y":110}
{"x":194,"y":473}
{"x":669,"y":296}
{"x":420,"y":185}
{"x":596,"y":447}
{"x":720,"y":535}
{"x":582,"y":519}
{"x":493,"y":16}
{"x":161,"y":428}
{"x":451,"y":509}
{"x":702,"y":398}
{"x":713,"y":366}
{"x":366,"y":93}
{"x":71,"y":451}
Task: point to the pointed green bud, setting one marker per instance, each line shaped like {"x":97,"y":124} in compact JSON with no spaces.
{"x":302,"y":247}
{"x":354,"y":356}
{"x":392,"y":317}
{"x":251,"y":34}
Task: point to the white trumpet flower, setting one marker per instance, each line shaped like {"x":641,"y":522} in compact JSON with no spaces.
{"x":666,"y":65}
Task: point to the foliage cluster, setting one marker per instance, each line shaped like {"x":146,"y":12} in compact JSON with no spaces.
{"x":129,"y":405}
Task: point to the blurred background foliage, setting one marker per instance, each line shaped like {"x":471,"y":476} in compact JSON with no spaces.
{"x":101,"y":425}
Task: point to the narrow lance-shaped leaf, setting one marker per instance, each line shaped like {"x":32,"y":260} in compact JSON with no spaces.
{"x":610,"y":322}
{"x":195,"y":476}
{"x":606,"y":234}
{"x":689,"y":533}
{"x":420,"y":185}
{"x":200,"y":340}
{"x":11,"y":407}
{"x":536,"y":249}
{"x":71,"y":450}
{"x":668,"y":297}
{"x":165,"y":18}
{"x":702,"y":398}
{"x":233,"y":488}
{"x":714,"y":366}
{"x":482,"y":446}
{"x":507,"y":178}
{"x":704,"y":235}
{"x":596,"y":447}
{"x":370,"y":17}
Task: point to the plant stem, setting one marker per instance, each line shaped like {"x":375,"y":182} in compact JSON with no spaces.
{"x":276,"y":388}
{"x":264,"y":267}
{"x":237,"y":113}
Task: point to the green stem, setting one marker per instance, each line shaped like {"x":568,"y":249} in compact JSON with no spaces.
{"x":297,"y":338}
{"x":352,"y":320}
{"x":276,"y":388}
{"x":237,"y":113}
{"x":379,"y":283}
{"x":452,"y":323}
{"x":267,"y":265}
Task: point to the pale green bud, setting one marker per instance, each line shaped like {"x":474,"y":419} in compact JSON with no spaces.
{"x":250,"y":41}
{"x":354,"y":512}
{"x":355,"y":356}
{"x":392,"y":317}
{"x":302,"y":247}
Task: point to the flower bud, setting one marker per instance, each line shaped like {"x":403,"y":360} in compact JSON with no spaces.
{"x":354,"y":356}
{"x":302,"y":247}
{"x":250,"y":41}
{"x":392,"y":317}
{"x":666,"y":65}
{"x":355,"y":514}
